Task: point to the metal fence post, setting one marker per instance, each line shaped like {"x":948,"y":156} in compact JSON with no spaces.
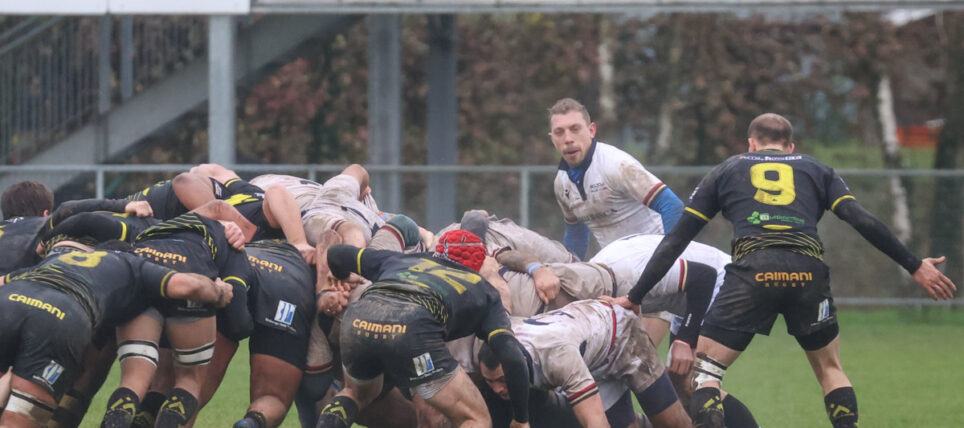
{"x":524,"y":184}
{"x":127,"y":57}
{"x":221,"y":114}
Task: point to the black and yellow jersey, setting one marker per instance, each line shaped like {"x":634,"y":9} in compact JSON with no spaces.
{"x":773,"y":199}
{"x":164,"y":201}
{"x":248,"y":199}
{"x":459,"y":298}
{"x":283,"y":282}
{"x":111,"y":286}
{"x":100,"y":226}
{"x":194,"y":243}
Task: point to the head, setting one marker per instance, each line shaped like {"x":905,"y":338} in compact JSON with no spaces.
{"x":571,"y":130}
{"x":27,"y":199}
{"x":491,"y":369}
{"x":463,"y":247}
{"x":770,"y":131}
{"x":475,"y":221}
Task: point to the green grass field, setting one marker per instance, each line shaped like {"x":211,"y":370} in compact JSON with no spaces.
{"x":903,"y":364}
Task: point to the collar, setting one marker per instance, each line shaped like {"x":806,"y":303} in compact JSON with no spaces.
{"x":582,"y":167}
{"x":772,"y":152}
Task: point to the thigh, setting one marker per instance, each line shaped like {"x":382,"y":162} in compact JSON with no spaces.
{"x":747,"y":300}
{"x":460,"y":401}
{"x":809,"y":306}
{"x":271,"y":376}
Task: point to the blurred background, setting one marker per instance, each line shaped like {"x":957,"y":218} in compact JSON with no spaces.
{"x":446,"y":103}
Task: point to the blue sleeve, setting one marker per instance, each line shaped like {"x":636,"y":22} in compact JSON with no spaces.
{"x":669,"y":207}
{"x":576,"y":239}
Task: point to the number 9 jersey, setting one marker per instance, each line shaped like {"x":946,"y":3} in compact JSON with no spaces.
{"x":773,"y":199}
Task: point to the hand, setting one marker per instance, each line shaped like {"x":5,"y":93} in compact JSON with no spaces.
{"x":547,"y":284}
{"x":234,"y":235}
{"x":225,"y":293}
{"x":347,"y":284}
{"x":681,"y":357}
{"x":307,"y":252}
{"x":515,"y":424}
{"x":936,"y":283}
{"x":332,"y":302}
{"x":139,"y":209}
{"x":622,"y":301}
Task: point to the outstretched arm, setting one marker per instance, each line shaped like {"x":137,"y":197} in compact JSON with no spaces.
{"x":925,"y":271}
{"x":547,"y":283}
{"x":666,"y":254}
{"x":281,"y":210}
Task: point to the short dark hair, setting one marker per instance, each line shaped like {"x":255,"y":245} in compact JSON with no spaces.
{"x":488,"y":358}
{"x":26,"y":199}
{"x":567,"y":105}
{"x":771,"y":128}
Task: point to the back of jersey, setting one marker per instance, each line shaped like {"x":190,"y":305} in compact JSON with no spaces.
{"x":18,"y":242}
{"x":773,"y":199}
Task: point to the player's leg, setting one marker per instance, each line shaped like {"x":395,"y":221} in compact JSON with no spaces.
{"x":193,"y":342}
{"x":74,"y":403}
{"x":458,"y":399}
{"x":273,"y":385}
{"x":656,"y":326}
{"x":224,"y":350}
{"x":357,"y":394}
{"x":5,"y":386}
{"x":138,"y":353}
{"x":30,"y":405}
{"x":839,"y":396}
{"x":716,"y":350}
{"x":390,"y":410}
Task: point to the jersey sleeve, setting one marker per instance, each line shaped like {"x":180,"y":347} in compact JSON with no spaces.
{"x":837,"y":190}
{"x":235,"y":269}
{"x":704,"y":202}
{"x":152,"y":278}
{"x":496,"y":321}
{"x":632,"y":179}
{"x":344,"y":260}
{"x":567,"y":370}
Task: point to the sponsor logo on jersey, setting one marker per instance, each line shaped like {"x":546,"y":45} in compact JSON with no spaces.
{"x":823,"y":310}
{"x":376,"y":330}
{"x":37,"y":303}
{"x":423,"y":364}
{"x":758,"y":217}
{"x":264,"y":264}
{"x":160,"y":256}
{"x":51,"y":373}
{"x":595,"y":187}
{"x":285,"y":313}
{"x":784,"y":279}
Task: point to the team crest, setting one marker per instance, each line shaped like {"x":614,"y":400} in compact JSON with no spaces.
{"x":285,"y":313}
{"x":423,"y":364}
{"x":823,"y":311}
{"x":52,"y":372}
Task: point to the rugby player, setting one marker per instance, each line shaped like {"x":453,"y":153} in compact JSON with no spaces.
{"x":589,"y":342}
{"x":49,"y":313}
{"x":499,"y":233}
{"x":774,"y":198}
{"x":187,"y":243}
{"x":601,"y":188}
{"x":27,"y":208}
{"x":396,"y":332}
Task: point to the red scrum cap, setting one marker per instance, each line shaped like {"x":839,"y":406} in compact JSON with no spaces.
{"x":463,"y":247}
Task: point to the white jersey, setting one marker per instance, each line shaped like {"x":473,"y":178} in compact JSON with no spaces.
{"x":586,"y":342}
{"x":614,"y":198}
{"x":505,"y":233}
{"x":628,"y":256}
{"x":577,"y":281}
{"x":305,"y":191}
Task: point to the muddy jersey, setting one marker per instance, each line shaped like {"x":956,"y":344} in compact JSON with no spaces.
{"x":337,"y":203}
{"x":584,"y":342}
{"x":457,"y":297}
{"x":615,"y":195}
{"x":106,"y":283}
{"x":196,"y":244}
{"x":248,"y":199}
{"x":577,"y":281}
{"x":505,"y":233}
{"x":164,"y":201}
{"x":628,"y":256}
{"x":305,"y":191}
{"x":773,"y":199}
{"x":101,"y":226}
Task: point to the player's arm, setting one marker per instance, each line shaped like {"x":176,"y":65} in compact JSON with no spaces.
{"x":198,"y":288}
{"x":568,"y":371}
{"x":99,"y":227}
{"x":343,"y":260}
{"x":282,"y":212}
{"x":546,"y":283}
{"x":666,"y":254}
{"x":193,"y":190}
{"x":69,"y":208}
{"x":509,"y":352}
{"x":576,"y":238}
{"x":238,"y":274}
{"x":590,"y":412}
{"x":490,"y":271}
{"x":215,"y":171}
{"x":925,"y":272}
{"x":698,"y":288}
{"x":646,"y":188}
{"x":223,"y":211}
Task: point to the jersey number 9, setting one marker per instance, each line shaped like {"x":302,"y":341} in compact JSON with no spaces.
{"x":779,"y":191}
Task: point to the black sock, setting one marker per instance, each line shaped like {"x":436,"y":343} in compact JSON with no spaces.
{"x":737,"y":415}
{"x":147,"y":412}
{"x":121,"y":407}
{"x":177,"y":410}
{"x":842,"y":407}
{"x":706,"y":408}
{"x":70,"y":411}
{"x":340,"y":413}
{"x":252,"y":419}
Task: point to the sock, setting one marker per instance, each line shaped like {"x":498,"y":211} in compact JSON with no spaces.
{"x":121,"y":407}
{"x":340,"y":413}
{"x":737,"y":415}
{"x":706,"y":408}
{"x":177,"y":410}
{"x":147,"y":412}
{"x":252,"y":419}
{"x":842,"y":407}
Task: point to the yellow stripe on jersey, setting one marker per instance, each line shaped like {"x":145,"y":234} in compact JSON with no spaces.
{"x":231,"y":181}
{"x":164,"y":281}
{"x":496,"y":332}
{"x":123,"y":236}
{"x":697,"y":213}
{"x":358,"y":260}
{"x":839,"y":200}
{"x":239,"y":280}
{"x":776,"y":227}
